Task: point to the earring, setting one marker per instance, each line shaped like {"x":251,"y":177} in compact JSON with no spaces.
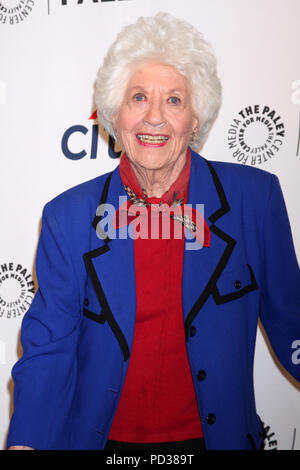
{"x":194,"y":133}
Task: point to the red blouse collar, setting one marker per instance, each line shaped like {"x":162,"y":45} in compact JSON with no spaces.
{"x":178,"y":190}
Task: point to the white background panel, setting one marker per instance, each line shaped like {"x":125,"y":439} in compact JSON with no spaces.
{"x":48,"y":65}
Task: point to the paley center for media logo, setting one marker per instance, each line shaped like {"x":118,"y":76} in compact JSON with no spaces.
{"x":16,"y":290}
{"x":271,"y":440}
{"x":295,"y":98}
{"x":14,"y":12}
{"x":256,"y":134}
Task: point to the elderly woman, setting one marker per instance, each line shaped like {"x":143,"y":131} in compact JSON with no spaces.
{"x":145,"y":338}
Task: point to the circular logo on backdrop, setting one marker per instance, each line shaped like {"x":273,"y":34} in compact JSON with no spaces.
{"x":15,"y":11}
{"x":255,"y":135}
{"x":16,"y":290}
{"x":270,"y":440}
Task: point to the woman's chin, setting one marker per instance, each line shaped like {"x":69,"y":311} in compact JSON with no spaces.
{"x":154,"y":158}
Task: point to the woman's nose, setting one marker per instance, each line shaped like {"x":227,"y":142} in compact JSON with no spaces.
{"x":155,"y":115}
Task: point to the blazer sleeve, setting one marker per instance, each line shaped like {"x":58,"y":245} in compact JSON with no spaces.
{"x":45,"y":374}
{"x":280,"y":307}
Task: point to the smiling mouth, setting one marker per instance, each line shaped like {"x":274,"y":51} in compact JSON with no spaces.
{"x":150,"y":139}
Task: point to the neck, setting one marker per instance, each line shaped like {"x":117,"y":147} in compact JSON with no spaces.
{"x":156,"y":182}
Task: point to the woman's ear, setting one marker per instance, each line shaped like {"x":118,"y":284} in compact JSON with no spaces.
{"x":195,"y":128}
{"x":195,"y":125}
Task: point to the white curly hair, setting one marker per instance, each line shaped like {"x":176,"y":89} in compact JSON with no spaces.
{"x":166,"y":40}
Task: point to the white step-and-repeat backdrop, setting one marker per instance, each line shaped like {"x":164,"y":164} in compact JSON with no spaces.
{"x":50,"y":51}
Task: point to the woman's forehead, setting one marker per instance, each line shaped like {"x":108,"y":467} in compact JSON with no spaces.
{"x":161,"y":74}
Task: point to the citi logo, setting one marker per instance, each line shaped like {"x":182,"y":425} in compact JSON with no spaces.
{"x":89,"y":148}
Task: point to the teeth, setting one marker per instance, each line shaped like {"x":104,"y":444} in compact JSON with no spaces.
{"x":152,"y":139}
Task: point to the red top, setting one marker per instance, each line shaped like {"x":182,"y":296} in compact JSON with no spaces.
{"x":158,"y":402}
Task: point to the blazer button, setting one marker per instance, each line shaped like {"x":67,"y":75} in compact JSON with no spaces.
{"x":86,"y":302}
{"x":201,"y":375}
{"x":210,"y":419}
{"x":192,"y":331}
{"x":237,"y":284}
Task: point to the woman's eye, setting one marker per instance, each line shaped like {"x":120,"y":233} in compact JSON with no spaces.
{"x":139,"y":97}
{"x":174,"y":100}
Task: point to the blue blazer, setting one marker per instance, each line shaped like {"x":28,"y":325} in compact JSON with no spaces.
{"x":77,"y":335}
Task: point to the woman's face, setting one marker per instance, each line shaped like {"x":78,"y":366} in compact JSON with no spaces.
{"x":155,"y":120}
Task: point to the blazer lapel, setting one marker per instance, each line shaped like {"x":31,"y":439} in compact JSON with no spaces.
{"x":202,"y":267}
{"x":110,"y":262}
{"x":110,"y":265}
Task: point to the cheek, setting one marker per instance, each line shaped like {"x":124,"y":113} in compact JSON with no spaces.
{"x":183,"y":128}
{"x":182,"y":122}
{"x":127,"y":119}
{"x":124,"y":129}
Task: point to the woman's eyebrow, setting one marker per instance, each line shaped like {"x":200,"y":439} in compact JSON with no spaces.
{"x":176,"y":90}
{"x":137,"y":87}
{"x":168,"y":91}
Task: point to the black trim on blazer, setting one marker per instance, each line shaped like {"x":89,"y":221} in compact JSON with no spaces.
{"x":221,"y":193}
{"x":213,"y":279}
{"x":221,"y":299}
{"x":106,"y":314}
{"x":252,"y":441}
{"x":210,"y":286}
{"x":103,"y":199}
{"x":94,"y":316}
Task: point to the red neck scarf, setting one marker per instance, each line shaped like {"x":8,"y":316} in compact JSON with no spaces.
{"x":174,"y":201}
